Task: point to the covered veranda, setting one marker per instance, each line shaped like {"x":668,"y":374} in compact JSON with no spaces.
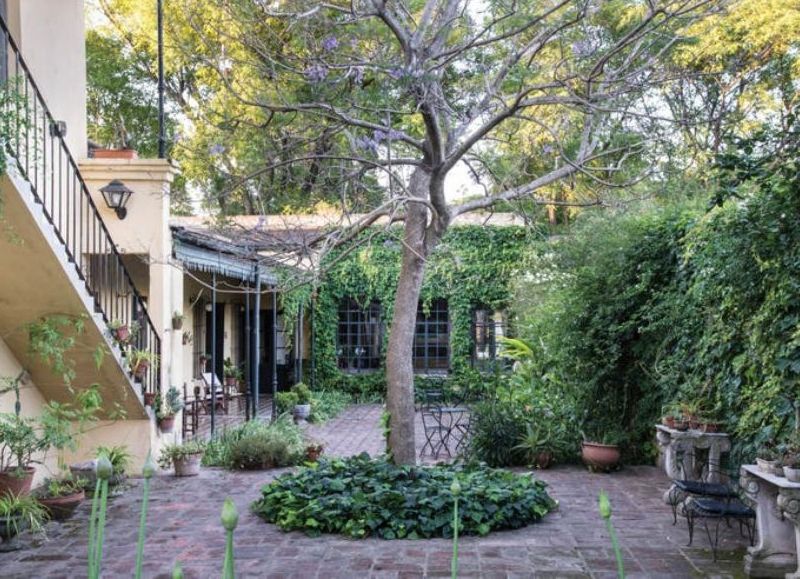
{"x":233,"y":336}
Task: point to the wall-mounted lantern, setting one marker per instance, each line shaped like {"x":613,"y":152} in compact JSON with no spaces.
{"x":116,"y":195}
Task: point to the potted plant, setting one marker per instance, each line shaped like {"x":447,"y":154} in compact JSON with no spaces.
{"x":187,"y":338}
{"x":314,"y":450}
{"x":791,"y":465}
{"x":601,"y":450}
{"x":302,"y":408}
{"x":185,"y":457}
{"x":149,"y":399}
{"x":17,"y":514}
{"x":122,"y":332}
{"x":141,"y":361}
{"x":166,"y":410}
{"x":691,"y":411}
{"x":540,"y":443}
{"x":19,"y":441}
{"x":671,"y":416}
{"x":177,"y":320}
{"x":768,"y":460}
{"x":60,"y":496}
{"x":232,"y":373}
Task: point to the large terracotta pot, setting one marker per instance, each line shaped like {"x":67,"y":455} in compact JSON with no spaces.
{"x":189,"y":465}
{"x":61,"y":508}
{"x":544,"y":459}
{"x":16,"y":482}
{"x":600,"y":456}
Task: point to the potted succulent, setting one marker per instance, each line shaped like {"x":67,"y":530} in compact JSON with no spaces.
{"x":177,"y":320}
{"x":601,"y":450}
{"x":166,"y":410}
{"x":302,"y":407}
{"x":60,"y":496}
{"x":540,"y":443}
{"x":768,"y":459}
{"x":141,"y":361}
{"x":184,"y":457}
{"x":17,"y":514}
{"x":232,"y":373}
{"x":19,"y":441}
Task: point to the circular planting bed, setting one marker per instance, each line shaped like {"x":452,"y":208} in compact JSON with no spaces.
{"x":362,"y":497}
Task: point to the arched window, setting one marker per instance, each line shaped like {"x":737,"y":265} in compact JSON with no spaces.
{"x":432,"y":339}
{"x":359,"y":336}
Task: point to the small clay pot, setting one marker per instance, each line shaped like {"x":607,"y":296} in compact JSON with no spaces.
{"x":149,"y":398}
{"x":141,"y":369}
{"x":114,"y":154}
{"x":166,"y":424}
{"x":792,"y":474}
{"x":668,"y":421}
{"x":122,"y":334}
{"x":712,"y":427}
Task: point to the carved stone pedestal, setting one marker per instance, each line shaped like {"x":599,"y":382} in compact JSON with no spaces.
{"x":777,"y":505}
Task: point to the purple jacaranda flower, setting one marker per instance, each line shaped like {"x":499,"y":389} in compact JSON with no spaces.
{"x":547,"y":149}
{"x":316,"y":73}
{"x":367,"y":144}
{"x":396,"y":73}
{"x":330,"y":43}
{"x":216,"y":149}
{"x":358,"y":74}
{"x":582,"y":48}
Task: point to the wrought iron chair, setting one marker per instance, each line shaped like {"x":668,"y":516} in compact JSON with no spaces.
{"x":711,"y":501}
{"x":191,"y":412}
{"x":432,"y":425}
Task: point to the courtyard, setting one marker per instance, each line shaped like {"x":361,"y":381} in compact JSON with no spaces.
{"x":183,"y":525}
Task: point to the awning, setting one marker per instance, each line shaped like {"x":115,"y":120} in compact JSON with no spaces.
{"x":216,"y":261}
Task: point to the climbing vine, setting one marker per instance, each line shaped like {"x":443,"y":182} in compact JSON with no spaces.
{"x":473,"y":266}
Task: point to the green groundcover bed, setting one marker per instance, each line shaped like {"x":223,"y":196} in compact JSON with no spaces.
{"x":362,"y":497}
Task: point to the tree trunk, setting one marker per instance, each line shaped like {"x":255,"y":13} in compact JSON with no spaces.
{"x":399,"y":360}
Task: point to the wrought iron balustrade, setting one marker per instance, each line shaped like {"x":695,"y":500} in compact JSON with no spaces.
{"x":33,"y":142}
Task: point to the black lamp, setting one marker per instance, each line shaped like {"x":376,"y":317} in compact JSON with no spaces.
{"x":116,"y":195}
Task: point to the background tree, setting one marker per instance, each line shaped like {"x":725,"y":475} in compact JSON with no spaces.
{"x":374,"y":104}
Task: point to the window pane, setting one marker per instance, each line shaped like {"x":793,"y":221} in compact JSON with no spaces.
{"x":359,"y":336}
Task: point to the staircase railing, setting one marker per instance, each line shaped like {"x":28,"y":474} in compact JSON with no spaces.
{"x":34,"y":141}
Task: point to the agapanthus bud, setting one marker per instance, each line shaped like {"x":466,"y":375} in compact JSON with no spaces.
{"x":605,"y":505}
{"x":455,"y":488}
{"x":104,"y":468}
{"x":149,"y":468}
{"x":230,"y":516}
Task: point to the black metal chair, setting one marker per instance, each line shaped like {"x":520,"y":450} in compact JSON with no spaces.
{"x":706,"y":501}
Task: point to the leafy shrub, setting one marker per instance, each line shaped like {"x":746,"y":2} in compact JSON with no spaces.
{"x":361,"y":497}
{"x":327,"y":404}
{"x":257,"y":445}
{"x":285,"y":401}
{"x":496,"y":429}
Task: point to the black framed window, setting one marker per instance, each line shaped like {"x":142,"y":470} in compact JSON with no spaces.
{"x":432,"y":338}
{"x":359,"y":336}
{"x":488,"y":327}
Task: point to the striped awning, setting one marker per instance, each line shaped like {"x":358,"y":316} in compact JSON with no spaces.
{"x":216,"y":261}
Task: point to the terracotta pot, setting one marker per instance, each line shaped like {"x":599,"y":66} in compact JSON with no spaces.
{"x":600,"y":456}
{"x":712,"y":427}
{"x":188,"y":465}
{"x":544,"y":459}
{"x":149,"y":398}
{"x":230,"y":381}
{"x":122,"y":334}
{"x":16,"y":482}
{"x":694,"y":423}
{"x":141,"y":369}
{"x":115,"y":154}
{"x":166,"y":424}
{"x":313,"y":453}
{"x":61,"y":508}
{"x":681,"y":425}
{"x":9,"y":529}
{"x":668,"y":421}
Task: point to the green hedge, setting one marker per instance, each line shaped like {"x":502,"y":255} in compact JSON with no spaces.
{"x":635,"y":311}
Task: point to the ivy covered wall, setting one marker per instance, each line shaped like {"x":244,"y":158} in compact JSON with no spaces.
{"x":473,"y":266}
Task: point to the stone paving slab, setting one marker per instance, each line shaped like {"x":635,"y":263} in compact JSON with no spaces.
{"x":183,"y":525}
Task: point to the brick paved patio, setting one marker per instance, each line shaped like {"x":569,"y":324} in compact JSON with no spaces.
{"x":184,"y":525}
